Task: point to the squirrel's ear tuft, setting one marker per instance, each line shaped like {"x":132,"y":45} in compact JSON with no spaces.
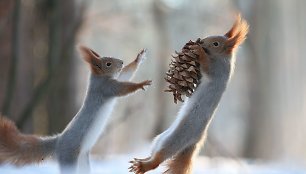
{"x":92,"y":58}
{"x":88,"y":54}
{"x":234,"y":28}
{"x":237,"y":34}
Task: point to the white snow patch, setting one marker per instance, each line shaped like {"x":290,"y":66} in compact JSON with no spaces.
{"x":119,"y":165}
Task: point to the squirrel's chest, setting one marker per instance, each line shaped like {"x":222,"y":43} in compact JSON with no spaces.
{"x":97,"y":125}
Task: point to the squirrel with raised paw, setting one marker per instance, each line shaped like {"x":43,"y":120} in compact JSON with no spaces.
{"x":107,"y":81}
{"x":181,"y":142}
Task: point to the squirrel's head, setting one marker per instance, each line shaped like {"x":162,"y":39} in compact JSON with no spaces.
{"x":224,"y":46}
{"x":101,"y":66}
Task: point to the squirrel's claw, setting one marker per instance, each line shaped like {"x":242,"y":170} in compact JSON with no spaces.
{"x":141,"y":56}
{"x":166,"y":172}
{"x":137,"y":166}
{"x":141,"y":166}
{"x":142,"y":85}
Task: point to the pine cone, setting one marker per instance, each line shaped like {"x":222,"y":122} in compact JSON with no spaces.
{"x":184,"y":72}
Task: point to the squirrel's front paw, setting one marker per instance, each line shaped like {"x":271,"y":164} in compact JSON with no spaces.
{"x":197,"y":49}
{"x":145,"y":83}
{"x":202,"y":55}
{"x":141,"y":56}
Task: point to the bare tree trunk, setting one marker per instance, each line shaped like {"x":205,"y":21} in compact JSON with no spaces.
{"x":14,"y":60}
{"x":277,"y":114}
{"x":19,"y":82}
{"x":163,"y":40}
{"x":58,"y":83}
{"x":60,"y":113}
{"x":5,"y":46}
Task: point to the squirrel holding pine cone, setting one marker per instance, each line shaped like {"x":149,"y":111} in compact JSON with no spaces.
{"x":214,"y":62}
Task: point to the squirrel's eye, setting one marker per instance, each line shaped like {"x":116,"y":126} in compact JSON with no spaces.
{"x":216,"y":44}
{"x":108,"y":64}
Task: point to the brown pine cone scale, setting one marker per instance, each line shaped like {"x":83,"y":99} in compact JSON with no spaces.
{"x":184,"y":74}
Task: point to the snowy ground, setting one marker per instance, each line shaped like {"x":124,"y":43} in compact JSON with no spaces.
{"x":119,"y":165}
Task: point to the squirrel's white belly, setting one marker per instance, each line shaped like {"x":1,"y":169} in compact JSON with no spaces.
{"x":185,"y":109}
{"x":183,"y":112}
{"x":98,"y":126}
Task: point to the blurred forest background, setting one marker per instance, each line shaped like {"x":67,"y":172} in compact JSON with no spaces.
{"x":262,"y":114}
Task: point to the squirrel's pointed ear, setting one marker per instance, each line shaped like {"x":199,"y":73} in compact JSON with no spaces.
{"x":237,"y":34}
{"x":92,"y":58}
{"x":88,"y":54}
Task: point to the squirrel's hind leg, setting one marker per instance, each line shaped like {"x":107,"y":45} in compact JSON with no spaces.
{"x":84,"y":163}
{"x":68,"y":168}
{"x":68,"y":161}
{"x":181,"y":163}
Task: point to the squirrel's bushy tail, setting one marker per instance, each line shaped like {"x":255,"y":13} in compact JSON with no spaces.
{"x":182,"y":162}
{"x":19,"y":149}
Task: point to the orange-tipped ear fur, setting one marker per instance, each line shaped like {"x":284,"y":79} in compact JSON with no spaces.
{"x":237,"y":34}
{"x":92,"y":58}
{"x":88,"y":54}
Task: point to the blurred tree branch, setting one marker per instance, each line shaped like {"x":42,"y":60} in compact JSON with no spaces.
{"x":10,"y":87}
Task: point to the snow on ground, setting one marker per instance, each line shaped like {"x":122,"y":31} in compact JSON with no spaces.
{"x":203,"y":165}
